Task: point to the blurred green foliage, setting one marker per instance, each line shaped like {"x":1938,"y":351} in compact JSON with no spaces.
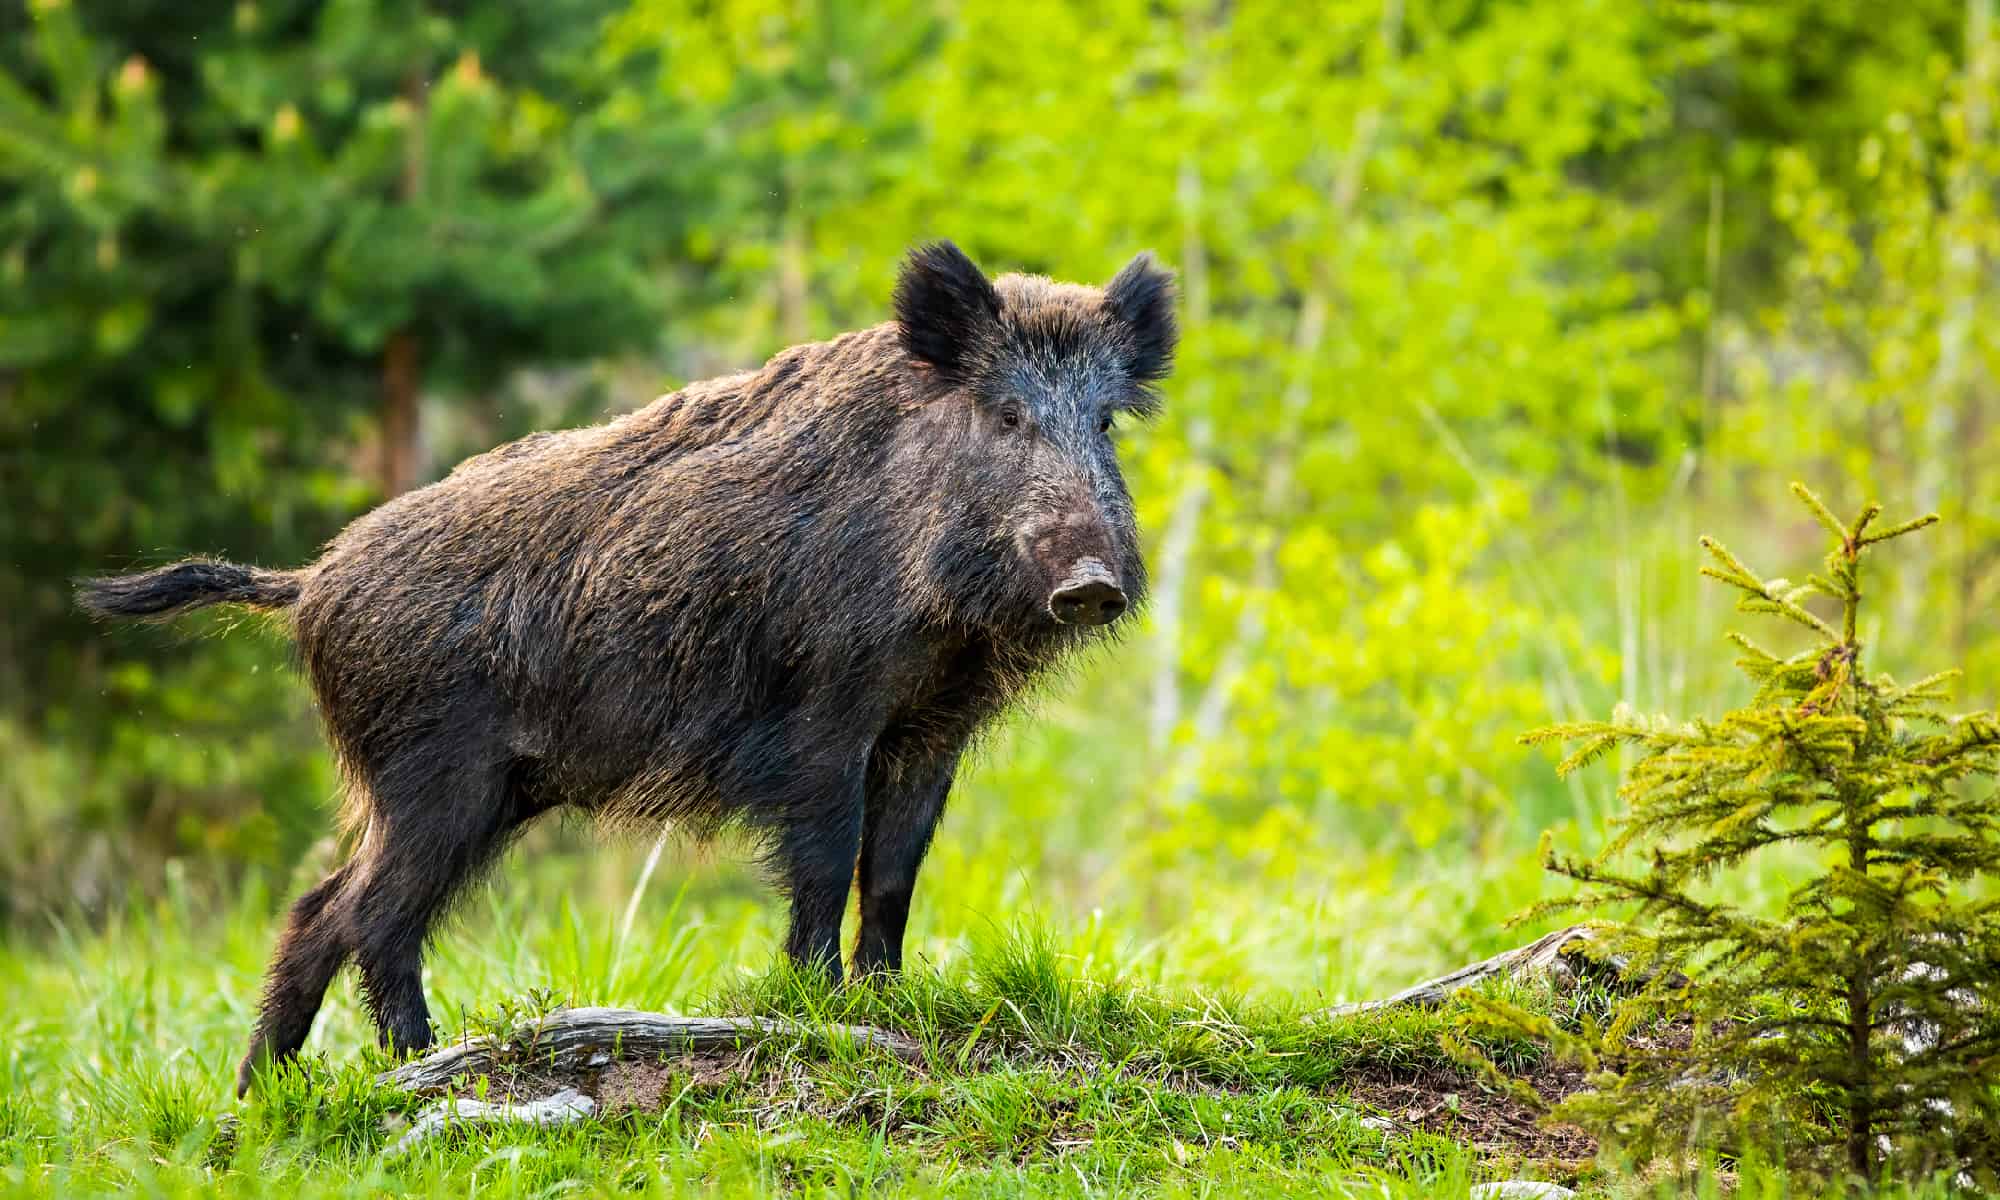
{"x":1486,"y":304}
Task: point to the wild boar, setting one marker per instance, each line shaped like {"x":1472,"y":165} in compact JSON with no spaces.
{"x":784,"y":600}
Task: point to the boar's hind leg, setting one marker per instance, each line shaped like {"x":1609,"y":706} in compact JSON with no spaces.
{"x":903,"y":811}
{"x":437,"y":821}
{"x":309,"y":953}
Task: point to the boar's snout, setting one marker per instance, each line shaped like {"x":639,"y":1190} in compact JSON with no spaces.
{"x":1090,"y":595}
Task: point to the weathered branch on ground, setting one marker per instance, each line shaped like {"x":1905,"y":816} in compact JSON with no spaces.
{"x":579,"y":1038}
{"x":564,"y":1107}
{"x":1562,"y":956}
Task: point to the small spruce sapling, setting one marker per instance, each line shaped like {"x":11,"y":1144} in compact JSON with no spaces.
{"x":1857,"y":1030}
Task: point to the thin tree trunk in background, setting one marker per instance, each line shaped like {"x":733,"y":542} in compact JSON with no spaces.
{"x":1177,"y":546}
{"x":1176,"y":560}
{"x":1982,"y":75}
{"x":1212,"y":709}
{"x":402,"y":367}
{"x":1711,"y":350}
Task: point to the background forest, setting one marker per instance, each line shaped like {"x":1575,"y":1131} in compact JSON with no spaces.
{"x":1489,"y":308}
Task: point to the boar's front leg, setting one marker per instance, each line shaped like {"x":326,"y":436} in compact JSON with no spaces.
{"x":818,"y":838}
{"x":904,"y":804}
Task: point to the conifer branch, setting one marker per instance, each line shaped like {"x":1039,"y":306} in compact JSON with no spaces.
{"x":1820,"y":510}
{"x":1895,"y":531}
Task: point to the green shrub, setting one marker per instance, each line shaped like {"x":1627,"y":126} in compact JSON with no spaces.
{"x":1854,"y":1028}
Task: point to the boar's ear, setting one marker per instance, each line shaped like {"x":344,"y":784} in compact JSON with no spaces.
{"x":1142,"y":298}
{"x":947,"y":308}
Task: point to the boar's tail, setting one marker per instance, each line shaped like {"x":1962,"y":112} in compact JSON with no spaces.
{"x":193,"y":583}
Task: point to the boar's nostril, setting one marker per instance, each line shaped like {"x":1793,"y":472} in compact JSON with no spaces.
{"x":1087,"y":597}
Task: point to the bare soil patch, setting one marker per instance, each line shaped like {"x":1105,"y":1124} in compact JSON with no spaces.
{"x":1457,"y":1106}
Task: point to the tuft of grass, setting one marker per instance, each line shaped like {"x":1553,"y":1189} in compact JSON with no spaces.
{"x":1017,"y":1000}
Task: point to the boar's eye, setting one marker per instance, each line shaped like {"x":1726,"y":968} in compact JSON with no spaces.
{"x":1010,"y":417}
{"x":1104,"y":423}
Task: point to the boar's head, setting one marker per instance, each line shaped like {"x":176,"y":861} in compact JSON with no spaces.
{"x":1032,"y":378}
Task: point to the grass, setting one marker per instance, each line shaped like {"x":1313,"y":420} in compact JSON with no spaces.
{"x":1044,"y":1073}
{"x":1080,"y":1038}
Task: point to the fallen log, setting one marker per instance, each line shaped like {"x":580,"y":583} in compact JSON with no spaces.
{"x":563,"y":1108}
{"x":574,"y":1039}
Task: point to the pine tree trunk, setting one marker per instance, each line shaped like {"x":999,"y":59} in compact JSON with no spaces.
{"x":794,"y":322}
{"x":1860,"y":1101}
{"x":401,"y":370}
{"x":1860,"y":1084}
{"x":401,"y":389}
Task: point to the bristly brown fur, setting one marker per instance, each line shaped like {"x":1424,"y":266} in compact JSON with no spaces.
{"x":785,"y":600}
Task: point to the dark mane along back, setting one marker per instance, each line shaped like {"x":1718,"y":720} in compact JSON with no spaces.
{"x":792,"y":386}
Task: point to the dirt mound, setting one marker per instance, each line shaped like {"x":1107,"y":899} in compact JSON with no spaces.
{"x":625,"y":1063}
